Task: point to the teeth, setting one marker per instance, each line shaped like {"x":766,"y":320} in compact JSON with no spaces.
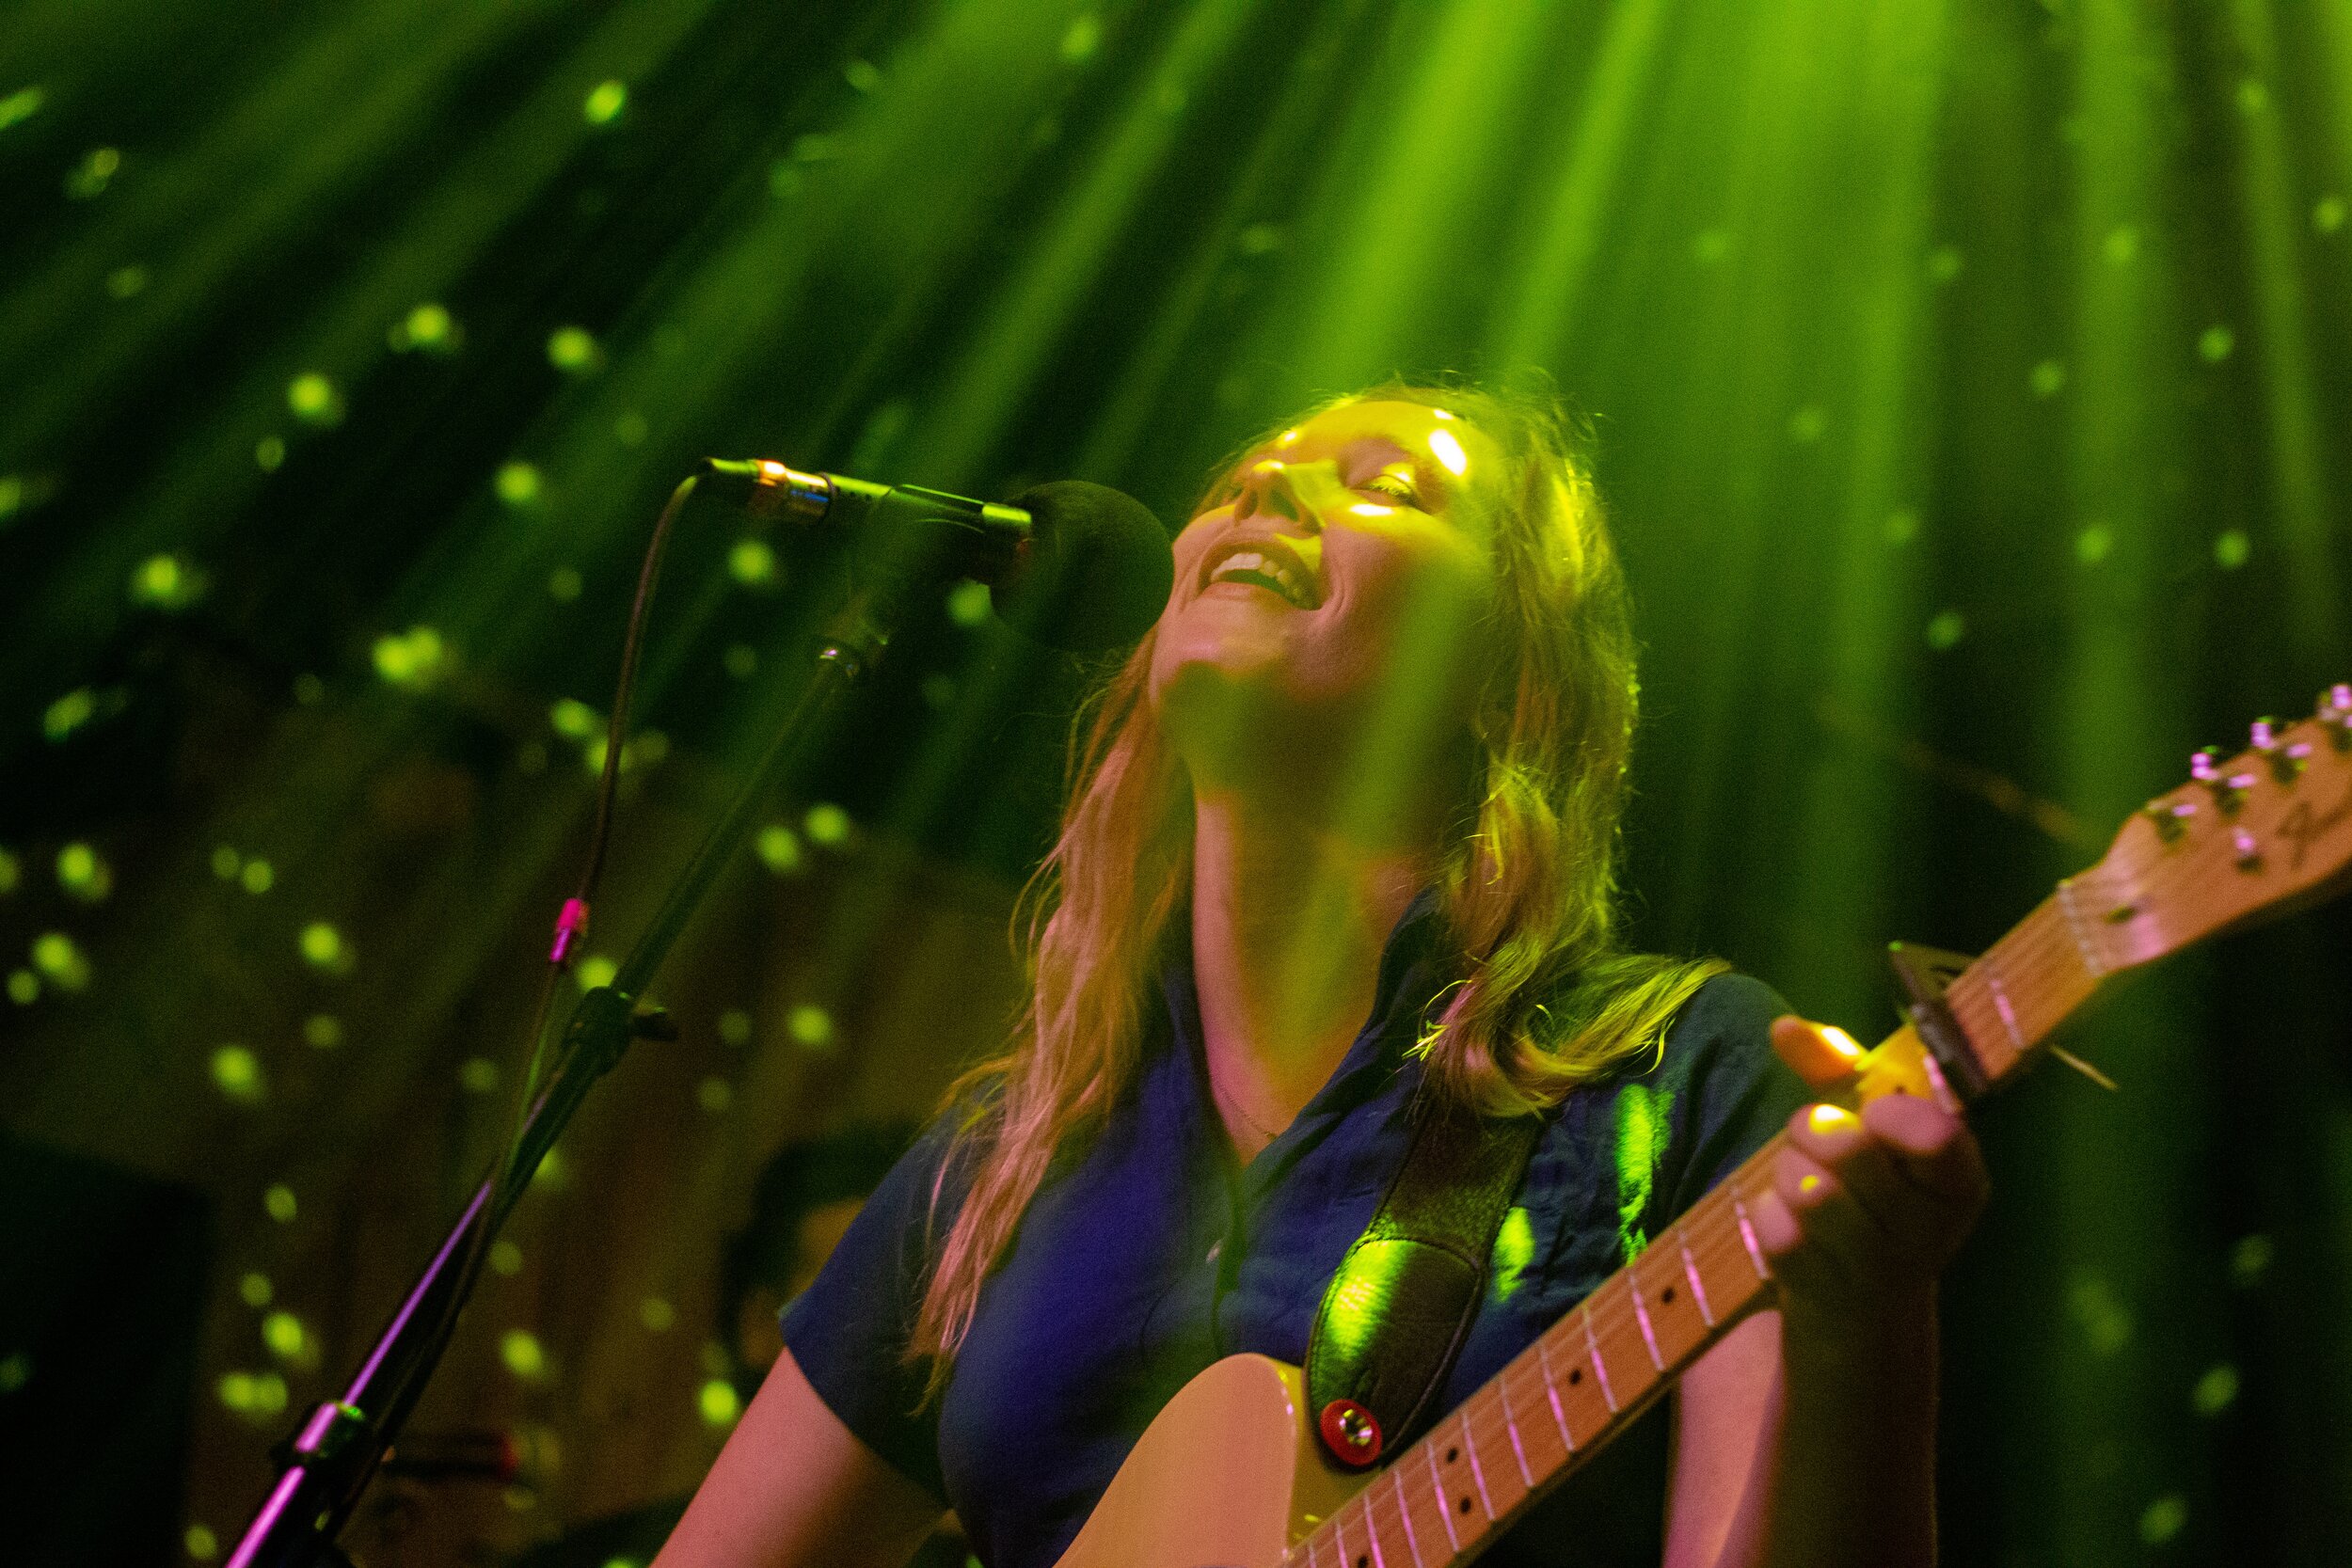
{"x":1263,"y":563}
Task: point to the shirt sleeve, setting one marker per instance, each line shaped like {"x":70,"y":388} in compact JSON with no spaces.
{"x":848,"y":1330}
{"x":1733,"y":1091}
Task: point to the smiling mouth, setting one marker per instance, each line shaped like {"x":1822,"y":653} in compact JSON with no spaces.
{"x":1262,"y":569}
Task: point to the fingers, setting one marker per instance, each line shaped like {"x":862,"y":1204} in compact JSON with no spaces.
{"x":1870,"y":1205}
{"x":1819,"y":1055}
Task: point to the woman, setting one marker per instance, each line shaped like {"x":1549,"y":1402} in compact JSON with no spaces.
{"x":1368,"y":766}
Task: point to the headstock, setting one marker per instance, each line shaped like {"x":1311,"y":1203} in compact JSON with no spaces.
{"x":2249,"y":835}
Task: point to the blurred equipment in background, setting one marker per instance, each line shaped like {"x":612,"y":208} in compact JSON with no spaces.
{"x":98,"y":1348}
{"x":806,"y":1198}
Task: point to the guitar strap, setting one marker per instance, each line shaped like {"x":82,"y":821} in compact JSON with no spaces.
{"x":1398,"y":1309}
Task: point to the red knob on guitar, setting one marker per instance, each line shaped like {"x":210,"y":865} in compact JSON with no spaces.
{"x":1351,"y":1433}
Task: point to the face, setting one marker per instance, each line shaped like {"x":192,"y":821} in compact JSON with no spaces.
{"x":1333,"y":588}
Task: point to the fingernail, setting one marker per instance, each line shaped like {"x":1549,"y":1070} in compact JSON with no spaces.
{"x":1806,"y":1184}
{"x":1831,"y":1118}
{"x":1841,"y":1043}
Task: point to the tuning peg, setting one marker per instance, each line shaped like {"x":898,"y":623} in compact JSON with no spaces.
{"x":2248,"y":849}
{"x":2228,"y":789}
{"x":2286,"y":761}
{"x":2169,"y":817}
{"x":2335,"y":711}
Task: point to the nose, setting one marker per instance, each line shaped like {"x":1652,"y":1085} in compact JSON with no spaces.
{"x":1271,"y":487}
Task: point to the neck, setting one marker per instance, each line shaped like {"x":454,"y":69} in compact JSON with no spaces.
{"x":1288,"y":920}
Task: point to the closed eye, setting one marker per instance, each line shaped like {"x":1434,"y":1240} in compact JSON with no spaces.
{"x":1395,"y":486}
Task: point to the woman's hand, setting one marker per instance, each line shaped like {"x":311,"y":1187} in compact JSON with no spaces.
{"x":1865,"y":1209}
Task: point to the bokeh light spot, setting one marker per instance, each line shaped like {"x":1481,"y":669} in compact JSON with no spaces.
{"x":269,"y":453}
{"x":656,"y":1315}
{"x":596,"y":970}
{"x":16,"y":1370}
{"x":256,"y":1290}
{"x":505,"y":1257}
{"x":413,"y":660}
{"x":2104,"y":1321}
{"x":810,"y":1025}
{"x":1081,"y":38}
{"x":69,"y":713}
{"x":166,"y":582}
{"x":519,"y":1348}
{"x":734,"y":1026}
{"x":1945,"y":263}
{"x":227,"y":863}
{"x":2047,"y":379}
{"x":827,"y":824}
{"x":2250,"y":1259}
{"x":478,"y":1075}
{"x":324,"y":948}
{"x":1946,"y":629}
{"x":969,"y":603}
{"x":280,"y":1203}
{"x":2122,"y":246}
{"x":630,"y":429}
{"x":564,"y":584}
{"x":752,"y":563}
{"x":237,"y":1073}
{"x":2216,"y":1391}
{"x":24,"y":987}
{"x":2231,"y":548}
{"x":83,"y":874}
{"x":575,"y":720}
{"x":863,"y":75}
{"x":2327,"y":214}
{"x":283,"y":1334}
{"x":60,"y":961}
{"x":1900,"y":527}
{"x":90,"y":177}
{"x":573,"y":350}
{"x":517,"y":484}
{"x":126,"y":282}
{"x":314,"y":399}
{"x":741,"y":661}
{"x":715,"y":1095}
{"x":323,"y":1031}
{"x":2164,"y":1519}
{"x":21,"y":105}
{"x":10,"y":871}
{"x":938,"y":691}
{"x":604,"y":103}
{"x":2215,"y":344}
{"x":779,"y":849}
{"x":1808,"y":424}
{"x":2252,"y":97}
{"x":719,"y":1404}
{"x":258,"y":876}
{"x":427,"y":327}
{"x":200,"y":1543}
{"x":2092,"y":544}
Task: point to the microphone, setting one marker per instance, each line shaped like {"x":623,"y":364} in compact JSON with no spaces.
{"x":1076,"y":566}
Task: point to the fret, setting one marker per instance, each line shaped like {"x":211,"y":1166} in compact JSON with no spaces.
{"x":2084,"y":947}
{"x":1747,"y":1233}
{"x":1676,"y":1329}
{"x":1445,"y":1503}
{"x":1691,"y":1273}
{"x":1478,"y":1471}
{"x":1405,"y":1513}
{"x":1551,"y":1390}
{"x":1592,"y":1346}
{"x":1641,"y":1315}
{"x":1510,"y":1425}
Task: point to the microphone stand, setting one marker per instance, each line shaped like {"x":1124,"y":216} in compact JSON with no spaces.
{"x":327,"y":1465}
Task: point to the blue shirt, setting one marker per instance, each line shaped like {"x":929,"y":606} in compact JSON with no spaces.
{"x":1152,"y":1252}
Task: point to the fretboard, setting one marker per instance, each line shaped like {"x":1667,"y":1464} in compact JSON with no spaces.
{"x":1446,"y":1498}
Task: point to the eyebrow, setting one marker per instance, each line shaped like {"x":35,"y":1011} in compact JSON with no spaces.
{"x":1433,"y":484}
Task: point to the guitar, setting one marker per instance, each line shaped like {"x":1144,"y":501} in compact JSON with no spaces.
{"x":1232,"y":1474}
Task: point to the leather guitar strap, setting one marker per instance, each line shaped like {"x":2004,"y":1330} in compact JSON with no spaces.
{"x":1396,"y":1313}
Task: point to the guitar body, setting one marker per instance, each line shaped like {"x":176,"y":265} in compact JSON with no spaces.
{"x":1228,"y":1476}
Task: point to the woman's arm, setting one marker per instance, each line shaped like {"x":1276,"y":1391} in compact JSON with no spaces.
{"x":1808,"y":1436}
{"x":795,"y":1487}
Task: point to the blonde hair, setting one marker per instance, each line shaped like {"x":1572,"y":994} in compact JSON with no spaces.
{"x":1544,"y":999}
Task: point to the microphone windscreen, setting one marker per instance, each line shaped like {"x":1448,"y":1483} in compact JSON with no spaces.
{"x":1095,"y":570}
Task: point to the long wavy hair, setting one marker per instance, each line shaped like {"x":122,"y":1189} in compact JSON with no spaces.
{"x":1543,"y":999}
